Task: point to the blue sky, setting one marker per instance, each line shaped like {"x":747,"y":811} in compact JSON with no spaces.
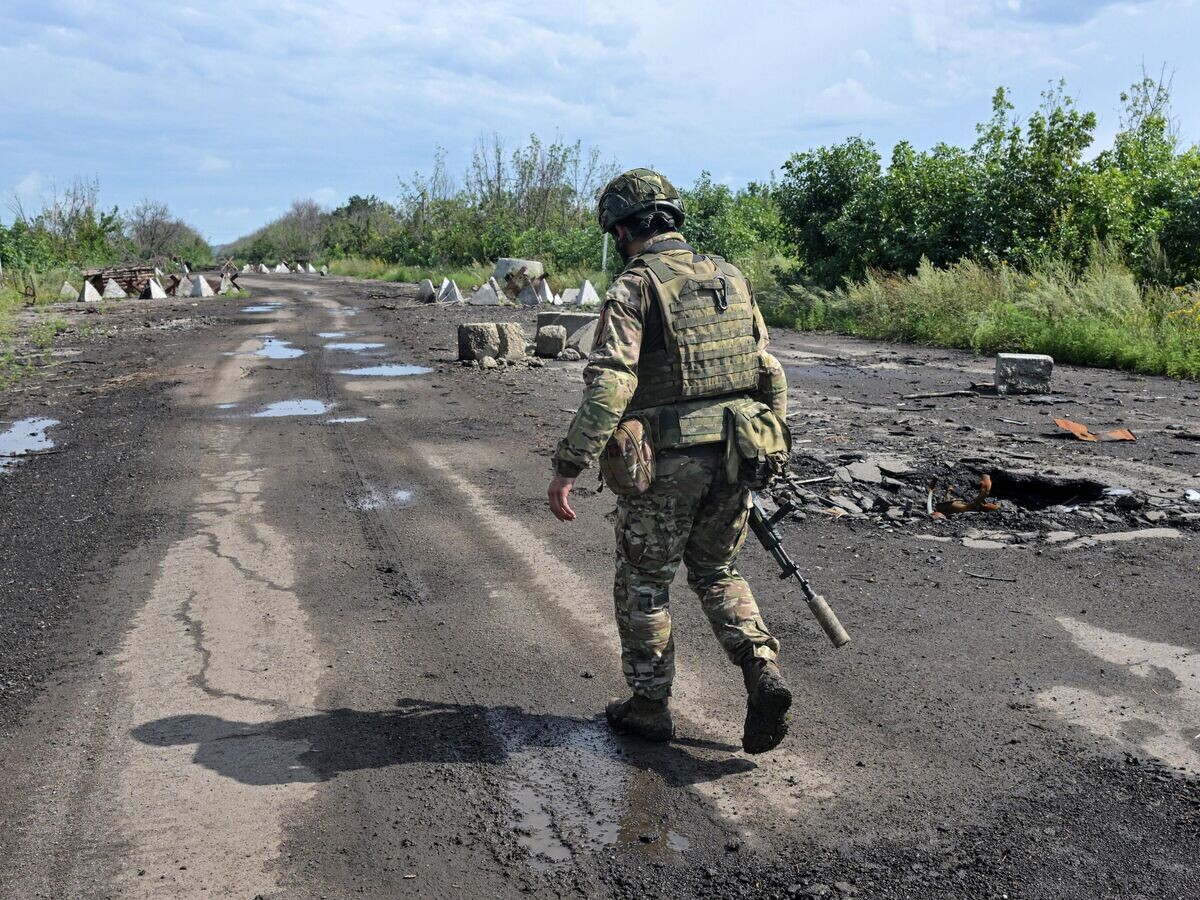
{"x":228,"y":111}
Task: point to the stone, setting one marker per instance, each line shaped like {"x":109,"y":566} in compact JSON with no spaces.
{"x":865,"y":472}
{"x":588,"y":295}
{"x":551,"y":341}
{"x":426,"y":292}
{"x":848,"y":506}
{"x":505,"y":267}
{"x":88,"y":293}
{"x":488,"y":363}
{"x":201,"y":287}
{"x":485,"y":296}
{"x":477,"y":340}
{"x":184,"y":288}
{"x":1023,"y":373}
{"x":528,"y":296}
{"x":570,"y":355}
{"x":983,"y":544}
{"x":113,"y":291}
{"x":66,"y":292}
{"x":512,"y":341}
{"x":154,"y":290}
{"x":227,"y":286}
{"x":449,"y":292}
{"x":570,"y":297}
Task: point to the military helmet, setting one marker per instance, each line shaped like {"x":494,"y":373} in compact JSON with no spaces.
{"x":638,"y":192}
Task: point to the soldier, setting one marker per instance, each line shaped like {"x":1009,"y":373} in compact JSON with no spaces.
{"x":679,"y":341}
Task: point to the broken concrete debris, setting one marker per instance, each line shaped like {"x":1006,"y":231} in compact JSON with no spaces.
{"x":1023,"y":373}
{"x":89,"y":294}
{"x":512,"y":341}
{"x":426,"y":292}
{"x":551,"y":341}
{"x":113,"y":291}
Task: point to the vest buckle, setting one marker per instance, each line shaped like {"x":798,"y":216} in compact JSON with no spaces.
{"x":722,"y":294}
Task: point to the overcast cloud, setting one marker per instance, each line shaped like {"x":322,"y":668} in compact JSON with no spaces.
{"x":228,"y":111}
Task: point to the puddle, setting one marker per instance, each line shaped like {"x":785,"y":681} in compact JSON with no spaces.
{"x":677,"y":841}
{"x":261,"y":308}
{"x":328,"y":335}
{"x":274,"y":348}
{"x":344,"y":311}
{"x":345,"y":420}
{"x":353,"y":345}
{"x":388,"y":371}
{"x":228,"y":405}
{"x":23,"y":437}
{"x":293,"y":408}
{"x":375,"y":499}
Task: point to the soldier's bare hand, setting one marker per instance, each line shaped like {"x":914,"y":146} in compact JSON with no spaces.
{"x":560,"y":489}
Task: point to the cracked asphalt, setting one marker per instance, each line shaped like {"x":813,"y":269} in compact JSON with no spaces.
{"x":272,"y":625}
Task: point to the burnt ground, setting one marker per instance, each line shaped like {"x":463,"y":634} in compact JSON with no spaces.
{"x":303,"y":655}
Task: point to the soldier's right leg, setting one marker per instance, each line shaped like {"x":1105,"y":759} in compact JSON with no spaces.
{"x":652,"y":532}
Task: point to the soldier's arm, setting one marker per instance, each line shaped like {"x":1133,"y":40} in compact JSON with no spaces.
{"x":772,"y":381}
{"x":610,"y":377}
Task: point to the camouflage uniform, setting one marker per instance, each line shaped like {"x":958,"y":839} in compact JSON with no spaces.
{"x":691,"y":513}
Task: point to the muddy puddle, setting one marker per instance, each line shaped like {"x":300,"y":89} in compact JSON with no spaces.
{"x":373,"y":499}
{"x":273,"y":348}
{"x":23,"y":437}
{"x":228,"y":405}
{"x":355,"y":346}
{"x":293,"y":408}
{"x":346,"y":420}
{"x":330,"y":335}
{"x":261,"y":308}
{"x":394,"y":370}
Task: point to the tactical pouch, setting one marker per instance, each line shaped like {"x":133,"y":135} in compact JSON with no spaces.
{"x":758,"y":445}
{"x":627,"y":463}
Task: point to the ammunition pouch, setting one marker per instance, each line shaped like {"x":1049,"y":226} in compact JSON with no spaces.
{"x":758,"y":445}
{"x":627,"y":461}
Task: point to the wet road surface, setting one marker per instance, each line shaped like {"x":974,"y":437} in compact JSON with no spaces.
{"x":331,"y":643}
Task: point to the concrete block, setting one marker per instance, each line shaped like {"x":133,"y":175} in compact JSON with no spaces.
{"x":477,"y":340}
{"x":551,"y":341}
{"x":426,"y":292}
{"x":512,"y":340}
{"x":583,"y":338}
{"x":66,"y":292}
{"x":1023,"y":373}
{"x":572,"y":321}
{"x":201,"y":287}
{"x":485,"y":296}
{"x":449,"y":292}
{"x":588,"y":295}
{"x":505,"y":267}
{"x":88,"y":293}
{"x":113,"y":291}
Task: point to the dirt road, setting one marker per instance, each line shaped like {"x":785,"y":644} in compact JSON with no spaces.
{"x":283,"y":613}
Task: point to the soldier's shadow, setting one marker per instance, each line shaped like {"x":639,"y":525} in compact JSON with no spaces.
{"x":320,"y":746}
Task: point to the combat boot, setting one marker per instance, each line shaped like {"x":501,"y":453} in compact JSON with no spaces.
{"x":767,"y":701}
{"x":641,"y":716}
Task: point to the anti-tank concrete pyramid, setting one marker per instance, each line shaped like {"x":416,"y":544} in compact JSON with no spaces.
{"x":66,"y":292}
{"x":449,"y":292}
{"x":184,"y":288}
{"x":113,"y":291}
{"x":201,"y":287}
{"x":154,"y":290}
{"x":262,"y":269}
{"x":308,"y":268}
{"x":226,"y":286}
{"x":282,"y":268}
{"x":246,"y":268}
{"x":587,"y":295}
{"x":88,"y":293}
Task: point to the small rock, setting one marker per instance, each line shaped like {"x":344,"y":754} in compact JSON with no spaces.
{"x":845,"y":888}
{"x":488,"y":362}
{"x":570,"y":355}
{"x":1154,"y":515}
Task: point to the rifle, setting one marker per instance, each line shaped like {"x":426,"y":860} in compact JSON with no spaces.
{"x":764,"y":530}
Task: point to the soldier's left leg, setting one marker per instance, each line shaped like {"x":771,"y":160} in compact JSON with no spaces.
{"x":718,"y":533}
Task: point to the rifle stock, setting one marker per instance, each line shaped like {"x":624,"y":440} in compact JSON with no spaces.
{"x":764,"y":530}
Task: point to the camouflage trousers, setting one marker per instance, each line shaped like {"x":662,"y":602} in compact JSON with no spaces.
{"x":691,"y":514}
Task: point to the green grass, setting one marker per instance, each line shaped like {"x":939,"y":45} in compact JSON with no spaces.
{"x":1102,"y":317}
{"x":467,"y":277}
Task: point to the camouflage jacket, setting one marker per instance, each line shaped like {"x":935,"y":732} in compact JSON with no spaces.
{"x":610,"y":377}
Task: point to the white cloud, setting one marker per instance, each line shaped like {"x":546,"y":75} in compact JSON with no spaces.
{"x":849,"y":101}
{"x":214,"y":165}
{"x":325,"y":196}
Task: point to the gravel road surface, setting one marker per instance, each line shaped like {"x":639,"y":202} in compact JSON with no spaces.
{"x":283,"y":613}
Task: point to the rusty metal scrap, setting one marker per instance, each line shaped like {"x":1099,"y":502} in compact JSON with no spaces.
{"x":1083,"y":433}
{"x":950,"y":507}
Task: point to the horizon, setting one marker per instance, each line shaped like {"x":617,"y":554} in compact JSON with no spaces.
{"x":228,"y":115}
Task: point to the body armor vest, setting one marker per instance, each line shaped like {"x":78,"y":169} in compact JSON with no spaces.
{"x":708,"y":358}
